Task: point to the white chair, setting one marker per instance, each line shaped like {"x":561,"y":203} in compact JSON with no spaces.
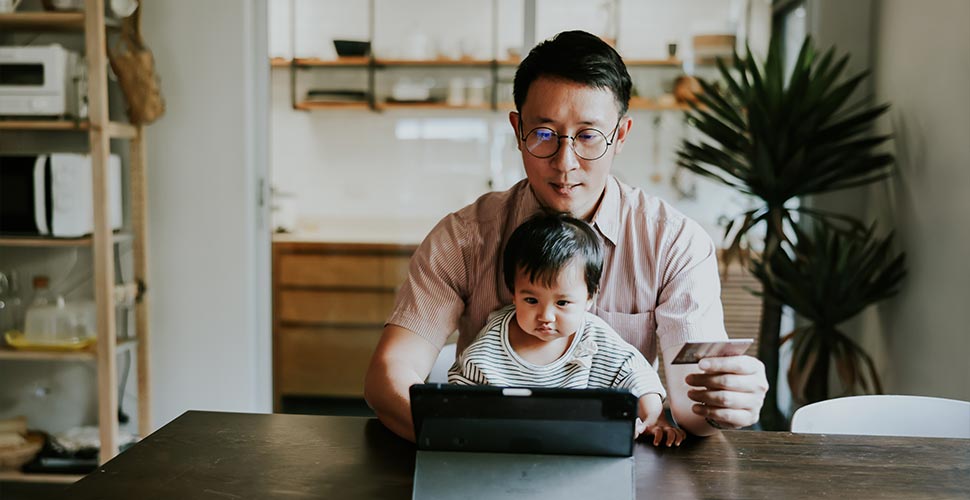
{"x":446,"y":358}
{"x":889,"y":415}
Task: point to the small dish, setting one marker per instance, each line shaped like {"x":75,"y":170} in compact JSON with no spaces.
{"x":18,"y":340}
{"x":351,"y":48}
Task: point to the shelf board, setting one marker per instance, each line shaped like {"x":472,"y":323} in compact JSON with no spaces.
{"x":22,"y":477}
{"x":640,"y":103}
{"x":48,"y":21}
{"x":116,"y":130}
{"x":313,"y":61}
{"x":671,"y":62}
{"x":36,"y":241}
{"x":483,"y":63}
{"x":309,"y":106}
{"x":427,"y":105}
{"x":279,"y":62}
{"x":88,"y":354}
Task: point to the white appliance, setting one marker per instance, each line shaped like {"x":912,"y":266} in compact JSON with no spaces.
{"x":51,"y":195}
{"x":43,"y":80}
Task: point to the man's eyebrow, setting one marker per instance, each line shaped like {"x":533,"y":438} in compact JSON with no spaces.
{"x":544,"y":120}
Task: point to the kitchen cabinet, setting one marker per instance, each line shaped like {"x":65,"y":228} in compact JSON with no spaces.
{"x":330,"y":301}
{"x":100,"y":130}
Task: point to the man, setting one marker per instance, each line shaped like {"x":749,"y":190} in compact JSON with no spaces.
{"x":660,"y":280}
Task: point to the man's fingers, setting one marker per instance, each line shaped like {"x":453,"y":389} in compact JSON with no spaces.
{"x":727,"y":417}
{"x":741,"y":365}
{"x":730,"y":382}
{"x":725,"y":399}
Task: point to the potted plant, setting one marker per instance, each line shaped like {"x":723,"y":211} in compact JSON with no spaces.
{"x":781,"y":140}
{"x":827,"y":278}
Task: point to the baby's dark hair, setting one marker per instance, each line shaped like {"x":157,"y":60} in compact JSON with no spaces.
{"x":546,"y":243}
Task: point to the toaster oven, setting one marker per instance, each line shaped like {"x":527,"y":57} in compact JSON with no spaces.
{"x":43,"y":80}
{"x":51,"y":195}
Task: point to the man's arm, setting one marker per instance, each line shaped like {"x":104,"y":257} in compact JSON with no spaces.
{"x":402,"y":358}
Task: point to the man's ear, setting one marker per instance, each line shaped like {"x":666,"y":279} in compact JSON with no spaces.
{"x":626,"y":123}
{"x":514,"y":118}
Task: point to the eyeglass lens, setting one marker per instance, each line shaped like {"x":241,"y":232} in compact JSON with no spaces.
{"x":589,"y":144}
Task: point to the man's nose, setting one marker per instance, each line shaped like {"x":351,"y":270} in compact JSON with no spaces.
{"x":565,"y":159}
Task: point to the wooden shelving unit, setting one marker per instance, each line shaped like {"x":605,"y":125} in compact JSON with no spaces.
{"x":115,"y":130}
{"x":48,"y":21}
{"x":27,"y":241}
{"x":89,"y":354}
{"x":310,"y":105}
{"x":91,"y":23}
{"x":20,"y":477}
{"x":428,"y":105}
{"x":652,"y":105}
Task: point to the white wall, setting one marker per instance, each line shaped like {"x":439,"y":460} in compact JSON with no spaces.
{"x":337,"y":164}
{"x":922,"y":67}
{"x":918,"y":53}
{"x":209,"y":255}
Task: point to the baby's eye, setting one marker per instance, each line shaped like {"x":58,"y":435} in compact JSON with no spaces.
{"x":562,"y":303}
{"x":530,"y":300}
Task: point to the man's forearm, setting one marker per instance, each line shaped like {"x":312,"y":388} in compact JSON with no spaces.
{"x":401,"y":359}
{"x":390,"y":400}
{"x":681,"y":406}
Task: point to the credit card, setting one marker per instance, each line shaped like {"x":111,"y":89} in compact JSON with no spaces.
{"x":692,"y":352}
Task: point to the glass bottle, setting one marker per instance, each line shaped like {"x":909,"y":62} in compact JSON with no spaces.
{"x":11,"y":305}
{"x":46,"y":316}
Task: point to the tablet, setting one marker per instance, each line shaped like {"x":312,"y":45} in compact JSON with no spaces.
{"x":524,"y":420}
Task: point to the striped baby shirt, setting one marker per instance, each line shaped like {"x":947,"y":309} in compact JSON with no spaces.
{"x":596,"y":358}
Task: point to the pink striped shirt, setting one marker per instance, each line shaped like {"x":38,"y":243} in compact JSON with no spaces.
{"x":660,"y":277}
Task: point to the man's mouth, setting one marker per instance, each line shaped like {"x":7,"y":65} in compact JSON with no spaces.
{"x":564,"y":188}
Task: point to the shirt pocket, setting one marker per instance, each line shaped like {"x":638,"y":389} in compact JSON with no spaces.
{"x":639,"y":330}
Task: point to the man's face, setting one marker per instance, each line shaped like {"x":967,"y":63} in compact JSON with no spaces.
{"x":565,"y":182}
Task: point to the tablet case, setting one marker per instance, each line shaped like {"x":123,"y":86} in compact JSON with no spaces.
{"x":596,"y":422}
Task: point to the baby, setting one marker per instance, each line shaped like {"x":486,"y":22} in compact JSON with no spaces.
{"x":548,"y":338}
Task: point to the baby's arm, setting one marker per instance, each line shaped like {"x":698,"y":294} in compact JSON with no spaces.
{"x":652,"y":421}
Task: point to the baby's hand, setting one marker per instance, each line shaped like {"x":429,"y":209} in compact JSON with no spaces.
{"x":661,"y":431}
{"x":653,"y":422}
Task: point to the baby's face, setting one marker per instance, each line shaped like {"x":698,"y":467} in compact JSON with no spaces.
{"x":554,"y":312}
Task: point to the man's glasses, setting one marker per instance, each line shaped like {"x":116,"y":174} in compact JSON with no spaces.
{"x":588,"y":143}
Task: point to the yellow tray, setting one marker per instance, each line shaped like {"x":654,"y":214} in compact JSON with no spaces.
{"x":17,"y":340}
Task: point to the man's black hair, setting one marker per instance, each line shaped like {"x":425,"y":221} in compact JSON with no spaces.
{"x":546,"y":243}
{"x":579,"y":57}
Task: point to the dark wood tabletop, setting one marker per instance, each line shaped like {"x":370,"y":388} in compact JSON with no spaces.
{"x":207,"y":455}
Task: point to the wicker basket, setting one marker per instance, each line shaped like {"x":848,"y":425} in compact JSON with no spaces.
{"x":134,"y":65}
{"x":13,"y":457}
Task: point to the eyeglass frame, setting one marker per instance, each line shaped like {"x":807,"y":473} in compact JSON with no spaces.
{"x":609,"y":140}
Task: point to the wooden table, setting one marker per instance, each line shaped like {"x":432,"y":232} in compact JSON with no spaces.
{"x":210,"y":455}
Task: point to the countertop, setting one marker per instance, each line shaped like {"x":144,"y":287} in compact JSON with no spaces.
{"x":389,"y":230}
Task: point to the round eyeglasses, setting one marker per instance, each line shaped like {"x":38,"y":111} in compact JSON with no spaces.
{"x":588,"y":143}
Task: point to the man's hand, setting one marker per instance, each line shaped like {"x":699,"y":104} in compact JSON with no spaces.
{"x":729,"y":391}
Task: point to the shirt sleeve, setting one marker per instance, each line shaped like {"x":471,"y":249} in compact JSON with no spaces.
{"x":431,"y":300}
{"x":689,"y":303}
{"x":639,"y":377}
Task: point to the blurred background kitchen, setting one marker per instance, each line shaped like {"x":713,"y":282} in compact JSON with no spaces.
{"x":287,"y":183}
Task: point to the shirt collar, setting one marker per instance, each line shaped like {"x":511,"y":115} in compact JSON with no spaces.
{"x":606,"y":218}
{"x":607,"y":215}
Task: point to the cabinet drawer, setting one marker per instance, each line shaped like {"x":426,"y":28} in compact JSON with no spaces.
{"x":324,"y":361}
{"x":338,"y":307}
{"x":374,"y":271}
